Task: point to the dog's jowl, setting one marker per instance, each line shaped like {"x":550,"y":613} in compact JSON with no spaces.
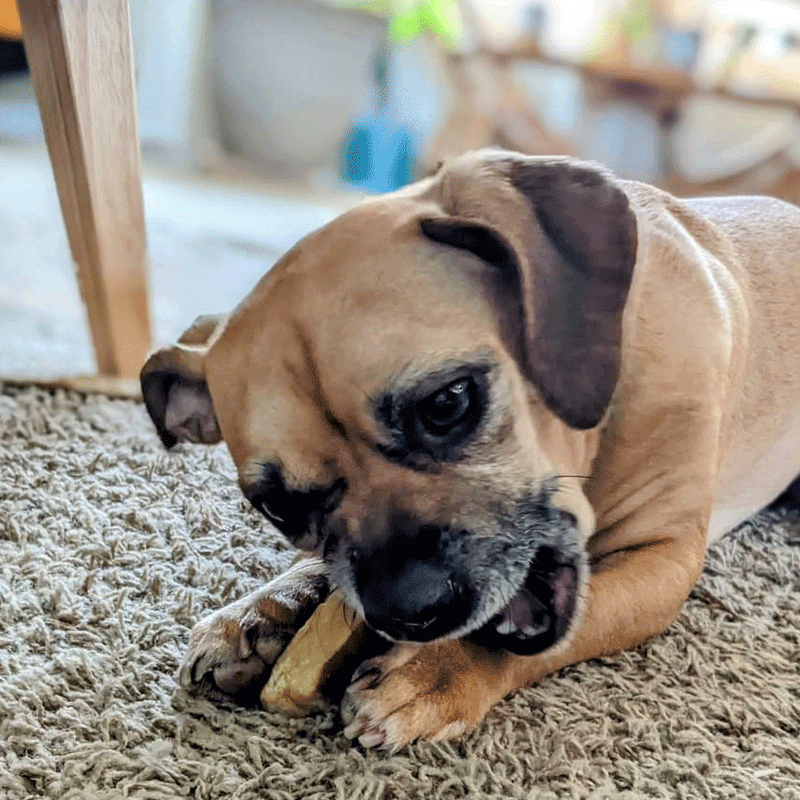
{"x":503,"y":410}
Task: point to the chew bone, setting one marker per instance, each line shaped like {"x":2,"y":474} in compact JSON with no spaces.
{"x":314,"y":668}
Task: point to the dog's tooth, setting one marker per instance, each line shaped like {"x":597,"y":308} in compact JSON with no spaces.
{"x":505,"y":627}
{"x":529,"y":631}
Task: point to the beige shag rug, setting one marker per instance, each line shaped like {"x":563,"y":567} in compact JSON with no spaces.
{"x":110,"y":548}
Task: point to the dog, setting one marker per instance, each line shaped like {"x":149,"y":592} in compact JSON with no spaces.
{"x":504,"y":410}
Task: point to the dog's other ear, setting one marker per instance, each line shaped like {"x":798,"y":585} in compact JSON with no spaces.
{"x":562,"y":237}
{"x":174,"y":387}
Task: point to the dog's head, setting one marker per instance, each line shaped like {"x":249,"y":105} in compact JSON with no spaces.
{"x":415,"y":390}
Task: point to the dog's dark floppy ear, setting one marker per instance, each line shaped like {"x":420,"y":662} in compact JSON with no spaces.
{"x":174,"y":387}
{"x":562,"y":236}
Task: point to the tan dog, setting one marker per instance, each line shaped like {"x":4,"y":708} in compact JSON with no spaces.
{"x":508,"y":407}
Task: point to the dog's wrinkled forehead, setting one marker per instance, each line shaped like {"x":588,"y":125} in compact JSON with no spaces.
{"x":361,"y":304}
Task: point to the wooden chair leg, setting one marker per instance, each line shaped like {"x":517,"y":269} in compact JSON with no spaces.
{"x":80,"y":58}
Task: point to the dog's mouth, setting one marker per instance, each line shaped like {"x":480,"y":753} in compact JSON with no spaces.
{"x":540,"y":613}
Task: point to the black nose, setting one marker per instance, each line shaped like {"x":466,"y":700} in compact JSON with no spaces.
{"x":414,"y":601}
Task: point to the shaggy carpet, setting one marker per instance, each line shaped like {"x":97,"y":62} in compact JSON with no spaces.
{"x":111,"y":548}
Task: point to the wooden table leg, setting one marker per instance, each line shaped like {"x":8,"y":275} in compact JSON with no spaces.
{"x":79,"y":53}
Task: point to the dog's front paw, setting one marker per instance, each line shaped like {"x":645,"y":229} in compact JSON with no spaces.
{"x":436,"y":691}
{"x":231,"y":652}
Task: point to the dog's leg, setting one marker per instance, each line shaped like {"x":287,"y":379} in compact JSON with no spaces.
{"x":231,"y":652}
{"x":443,"y":689}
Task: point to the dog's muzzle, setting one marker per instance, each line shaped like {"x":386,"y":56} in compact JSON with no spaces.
{"x":423,"y":597}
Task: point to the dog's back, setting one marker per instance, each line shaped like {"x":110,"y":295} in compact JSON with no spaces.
{"x":765,"y":421}
{"x":760,"y":448}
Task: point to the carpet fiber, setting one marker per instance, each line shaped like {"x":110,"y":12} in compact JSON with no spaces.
{"x":111,"y":548}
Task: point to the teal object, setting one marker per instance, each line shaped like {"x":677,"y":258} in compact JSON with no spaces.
{"x":377,"y":153}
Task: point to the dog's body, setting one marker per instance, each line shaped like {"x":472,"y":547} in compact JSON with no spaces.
{"x":507,"y":407}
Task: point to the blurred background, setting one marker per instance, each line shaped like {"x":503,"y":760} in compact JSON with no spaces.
{"x":262,"y":119}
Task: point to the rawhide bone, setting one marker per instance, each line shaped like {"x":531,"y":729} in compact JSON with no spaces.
{"x":315,"y":668}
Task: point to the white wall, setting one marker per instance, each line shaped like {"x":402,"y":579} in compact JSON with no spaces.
{"x":168,"y":46}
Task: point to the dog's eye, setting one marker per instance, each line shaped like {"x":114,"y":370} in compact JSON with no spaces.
{"x":447,"y":408}
{"x":427,"y":426}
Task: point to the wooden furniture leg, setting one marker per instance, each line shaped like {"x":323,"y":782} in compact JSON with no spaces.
{"x":80,"y":58}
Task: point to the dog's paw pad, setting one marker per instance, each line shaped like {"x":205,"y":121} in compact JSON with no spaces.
{"x":236,"y":675}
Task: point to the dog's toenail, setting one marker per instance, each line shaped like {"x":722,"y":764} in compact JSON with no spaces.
{"x":357,"y":727}
{"x":348,"y":710}
{"x":372,"y":738}
{"x":194,"y":672}
{"x":245,"y":645}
